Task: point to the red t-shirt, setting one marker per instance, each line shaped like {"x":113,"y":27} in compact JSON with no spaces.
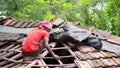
{"x":33,"y":38}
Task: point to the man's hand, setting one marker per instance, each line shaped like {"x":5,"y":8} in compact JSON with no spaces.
{"x":56,"y":57}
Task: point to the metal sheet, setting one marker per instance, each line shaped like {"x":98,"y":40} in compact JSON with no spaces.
{"x":6,"y":29}
{"x":110,"y":47}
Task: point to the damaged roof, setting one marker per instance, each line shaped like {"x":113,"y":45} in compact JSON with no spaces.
{"x":79,"y":57}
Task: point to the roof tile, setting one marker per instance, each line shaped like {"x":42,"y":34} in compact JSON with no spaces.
{"x":13,"y":23}
{"x":83,"y":64}
{"x":96,"y":55}
{"x":109,"y":62}
{"x":108,"y":54}
{"x":97,"y":63}
{"x":8,"y":22}
{"x":86,"y":49}
{"x":25,"y":24}
{"x":114,"y":40}
{"x":35,"y":23}
{"x":20,"y":23}
{"x":30,"y":24}
{"x":118,"y":60}
{"x":82,"y":56}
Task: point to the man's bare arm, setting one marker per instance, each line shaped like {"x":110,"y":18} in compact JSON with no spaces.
{"x":49,"y":49}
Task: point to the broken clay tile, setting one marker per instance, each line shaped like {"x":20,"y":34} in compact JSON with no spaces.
{"x":97,"y":63}
{"x":85,"y":49}
{"x":109,"y":62}
{"x":82,"y":64}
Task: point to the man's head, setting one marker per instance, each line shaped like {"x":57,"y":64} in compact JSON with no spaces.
{"x":46,"y":25}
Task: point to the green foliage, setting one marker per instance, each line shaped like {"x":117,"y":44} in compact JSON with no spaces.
{"x":103,"y":14}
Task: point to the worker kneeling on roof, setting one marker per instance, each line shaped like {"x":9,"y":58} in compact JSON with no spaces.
{"x":31,"y":47}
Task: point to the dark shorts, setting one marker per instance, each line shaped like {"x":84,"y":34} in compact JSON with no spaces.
{"x":33,"y":53}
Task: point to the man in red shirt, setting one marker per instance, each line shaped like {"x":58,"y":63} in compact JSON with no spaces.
{"x":30,"y":47}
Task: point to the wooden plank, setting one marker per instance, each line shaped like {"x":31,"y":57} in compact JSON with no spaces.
{"x":32,"y":64}
{"x":9,"y":65}
{"x":7,"y":48}
{"x":16,"y":56}
{"x":46,"y":52}
{"x":59,"y":48}
{"x":59,"y":57}
{"x":43,"y":63}
{"x":3,"y":63}
{"x":40,"y":63}
{"x":5,"y":54}
{"x":54,"y":65}
{"x":20,"y":66}
{"x":11,"y":60}
{"x":43,"y":54}
{"x":3,"y":50}
{"x":71,"y":52}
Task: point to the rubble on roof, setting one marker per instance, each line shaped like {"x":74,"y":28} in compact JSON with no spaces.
{"x":83,"y":56}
